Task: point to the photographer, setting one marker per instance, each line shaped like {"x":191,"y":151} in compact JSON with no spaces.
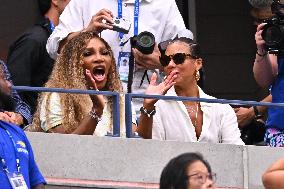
{"x":269,"y":71}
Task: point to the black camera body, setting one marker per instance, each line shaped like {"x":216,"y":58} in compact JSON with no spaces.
{"x":273,"y":31}
{"x":144,"y":42}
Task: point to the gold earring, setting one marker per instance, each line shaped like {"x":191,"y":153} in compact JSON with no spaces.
{"x":197,"y":75}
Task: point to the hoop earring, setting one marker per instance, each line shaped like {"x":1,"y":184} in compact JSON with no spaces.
{"x":197,"y":75}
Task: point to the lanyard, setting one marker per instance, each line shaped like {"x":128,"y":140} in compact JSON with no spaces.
{"x":5,"y":168}
{"x":52,"y":27}
{"x":136,"y":16}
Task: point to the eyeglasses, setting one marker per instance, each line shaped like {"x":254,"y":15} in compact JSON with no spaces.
{"x":202,"y":177}
{"x":178,"y":58}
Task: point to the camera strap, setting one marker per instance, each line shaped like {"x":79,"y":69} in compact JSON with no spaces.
{"x":130,"y":74}
{"x":131,"y":58}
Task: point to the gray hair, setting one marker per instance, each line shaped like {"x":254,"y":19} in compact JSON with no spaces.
{"x":260,"y":4}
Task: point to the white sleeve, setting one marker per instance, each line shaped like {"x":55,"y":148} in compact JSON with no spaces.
{"x":174,"y":23}
{"x":55,"y":115}
{"x":230,"y":132}
{"x":158,"y":131}
{"x":71,"y":20}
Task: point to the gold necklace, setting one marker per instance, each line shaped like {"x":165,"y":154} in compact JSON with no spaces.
{"x":190,"y":110}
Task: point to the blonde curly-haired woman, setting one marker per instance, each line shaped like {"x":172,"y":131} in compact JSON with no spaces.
{"x":86,"y":62}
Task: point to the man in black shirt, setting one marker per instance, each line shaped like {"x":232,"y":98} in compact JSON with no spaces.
{"x":28,"y":61}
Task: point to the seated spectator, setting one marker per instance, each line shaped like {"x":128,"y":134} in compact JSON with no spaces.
{"x":28,"y":61}
{"x":252,"y":122}
{"x":187,"y":171}
{"x":21,"y":115}
{"x":185,"y":121}
{"x":273,"y":178}
{"x":86,"y":62}
{"x":16,"y":155}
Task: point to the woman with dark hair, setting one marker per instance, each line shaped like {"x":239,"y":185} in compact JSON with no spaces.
{"x":187,"y":171}
{"x":86,"y":62}
{"x":186,"y":121}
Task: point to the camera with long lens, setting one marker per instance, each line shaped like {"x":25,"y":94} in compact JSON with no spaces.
{"x":144,"y":42}
{"x":273,"y":31}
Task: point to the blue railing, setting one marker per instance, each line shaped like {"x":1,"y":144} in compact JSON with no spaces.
{"x":115,"y":101}
{"x":128,"y":99}
{"x":129,"y":96}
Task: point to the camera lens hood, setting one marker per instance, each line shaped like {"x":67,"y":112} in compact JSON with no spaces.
{"x":145,"y":42}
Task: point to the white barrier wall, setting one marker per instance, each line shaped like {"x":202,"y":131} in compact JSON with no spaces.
{"x":88,"y":161}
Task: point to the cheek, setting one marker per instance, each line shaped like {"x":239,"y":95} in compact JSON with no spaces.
{"x":86,"y":64}
{"x":167,"y":70}
{"x":108,"y":65}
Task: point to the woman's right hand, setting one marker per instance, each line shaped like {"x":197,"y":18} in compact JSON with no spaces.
{"x":98,"y":100}
{"x":161,"y":89}
{"x":101,"y":21}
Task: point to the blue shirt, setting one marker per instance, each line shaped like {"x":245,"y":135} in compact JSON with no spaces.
{"x":276,"y":114}
{"x":28,"y":168}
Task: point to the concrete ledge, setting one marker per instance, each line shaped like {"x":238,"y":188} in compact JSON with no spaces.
{"x":56,"y":182}
{"x":86,"y":184}
{"x":259,"y":159}
{"x":106,"y":162}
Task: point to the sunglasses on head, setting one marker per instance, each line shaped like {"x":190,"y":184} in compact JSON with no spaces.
{"x":178,"y":58}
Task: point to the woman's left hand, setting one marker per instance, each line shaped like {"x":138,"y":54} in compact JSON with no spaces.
{"x":160,"y":89}
{"x":98,"y":100}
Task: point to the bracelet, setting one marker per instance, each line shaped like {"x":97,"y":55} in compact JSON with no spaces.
{"x":149,"y":113}
{"x":264,"y":54}
{"x":257,"y":115}
{"x":95,"y":116}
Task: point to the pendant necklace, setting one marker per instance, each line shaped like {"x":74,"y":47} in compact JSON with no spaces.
{"x":193,"y":110}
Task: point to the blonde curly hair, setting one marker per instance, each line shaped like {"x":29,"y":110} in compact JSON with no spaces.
{"x":68,"y":74}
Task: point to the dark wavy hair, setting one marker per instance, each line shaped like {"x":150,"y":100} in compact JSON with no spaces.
{"x":174,"y":175}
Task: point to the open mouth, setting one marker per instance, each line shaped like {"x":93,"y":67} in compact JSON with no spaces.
{"x":99,"y":73}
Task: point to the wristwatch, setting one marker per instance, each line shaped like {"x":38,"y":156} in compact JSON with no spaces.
{"x":257,"y":115}
{"x":149,"y":113}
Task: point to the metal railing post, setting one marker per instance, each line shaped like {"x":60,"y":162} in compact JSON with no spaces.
{"x":128,"y":115}
{"x":116,"y":115}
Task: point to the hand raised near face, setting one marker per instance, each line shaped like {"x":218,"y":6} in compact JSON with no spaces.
{"x":160,"y":89}
{"x":98,"y":100}
{"x":100,"y":21}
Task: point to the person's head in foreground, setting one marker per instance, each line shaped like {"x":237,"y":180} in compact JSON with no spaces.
{"x":187,"y":171}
